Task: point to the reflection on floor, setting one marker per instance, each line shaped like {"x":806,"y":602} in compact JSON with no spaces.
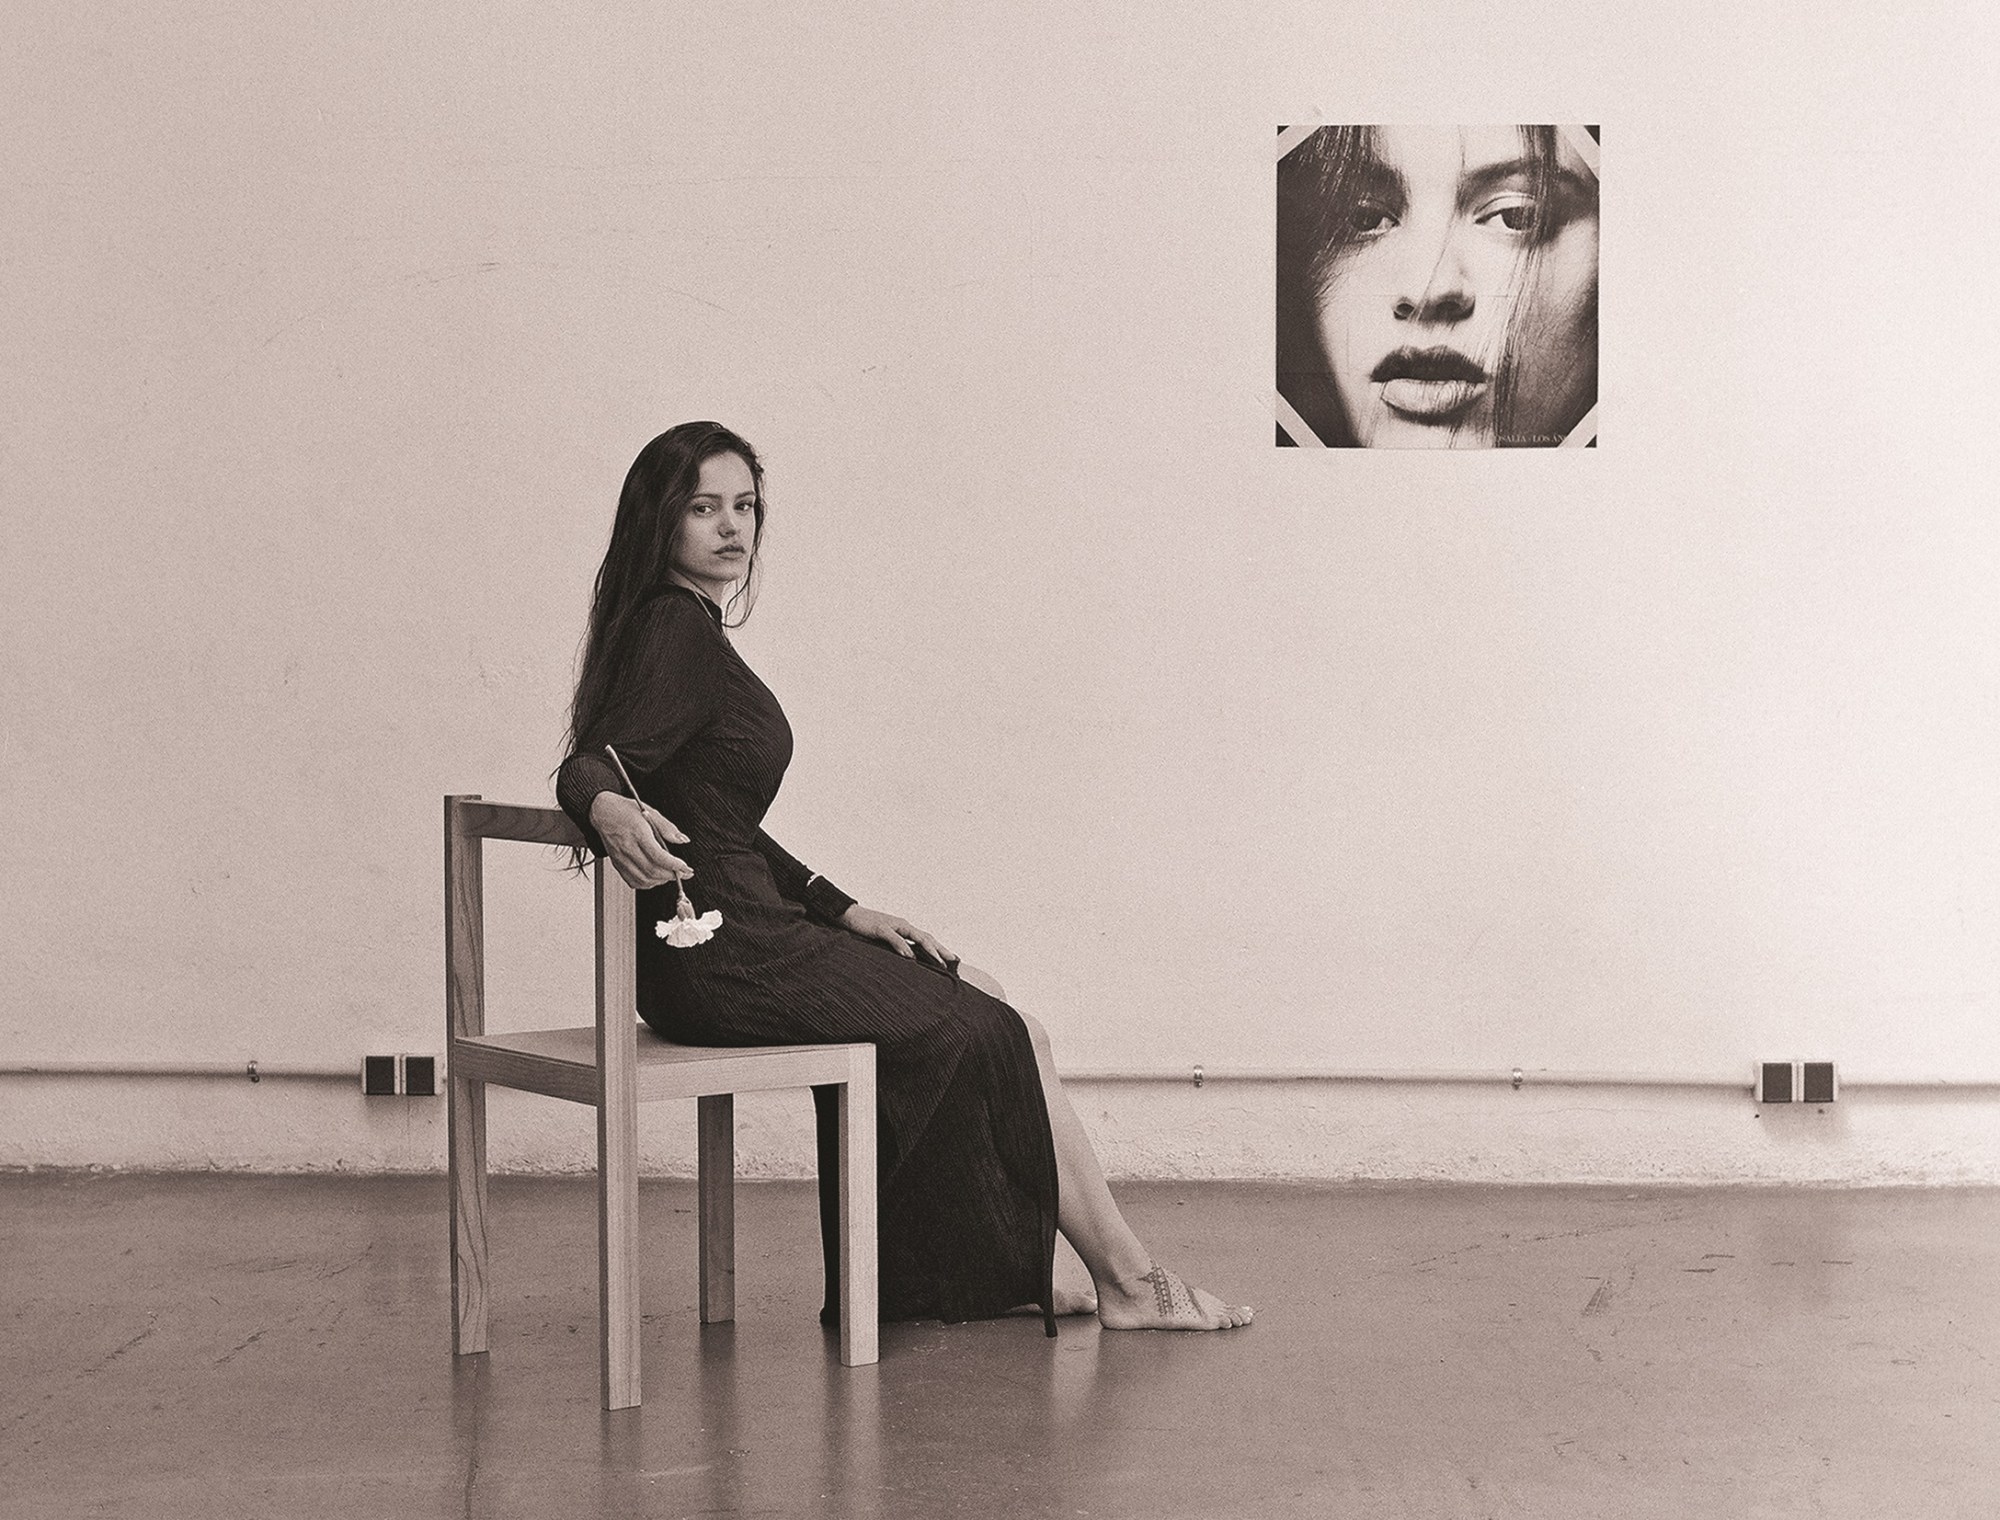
{"x":279,"y":1347}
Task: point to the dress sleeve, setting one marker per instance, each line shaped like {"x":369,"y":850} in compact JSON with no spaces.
{"x":820,"y":897}
{"x":670,"y":689}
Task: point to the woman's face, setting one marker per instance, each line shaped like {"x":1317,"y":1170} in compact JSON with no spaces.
{"x":1454,"y":261}
{"x":719,"y":529}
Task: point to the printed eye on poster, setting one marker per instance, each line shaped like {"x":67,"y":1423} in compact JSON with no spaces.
{"x":1437,"y":287}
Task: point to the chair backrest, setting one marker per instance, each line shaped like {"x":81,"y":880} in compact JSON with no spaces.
{"x":468,"y":822}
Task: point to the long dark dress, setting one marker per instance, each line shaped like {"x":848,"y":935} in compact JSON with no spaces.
{"x":967,"y":1188}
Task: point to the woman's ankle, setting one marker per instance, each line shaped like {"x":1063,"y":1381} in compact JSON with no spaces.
{"x":1131,"y":1282}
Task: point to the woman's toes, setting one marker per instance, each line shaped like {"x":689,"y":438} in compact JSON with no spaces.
{"x":1221,"y":1316}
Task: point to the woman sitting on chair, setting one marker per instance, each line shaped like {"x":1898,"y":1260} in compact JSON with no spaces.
{"x":982,"y":1158}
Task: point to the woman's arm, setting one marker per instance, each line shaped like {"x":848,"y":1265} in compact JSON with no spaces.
{"x":668,"y":686}
{"x":821,"y":897}
{"x":825,"y":901}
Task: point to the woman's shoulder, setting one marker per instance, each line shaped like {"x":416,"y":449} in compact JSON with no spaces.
{"x":673,"y":620}
{"x":677,"y":604}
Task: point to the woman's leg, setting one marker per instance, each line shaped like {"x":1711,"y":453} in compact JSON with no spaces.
{"x":1130,"y":1296}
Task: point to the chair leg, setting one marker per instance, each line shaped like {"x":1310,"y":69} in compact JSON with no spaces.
{"x":465,"y":1149}
{"x":717,"y":1199}
{"x":618,"y":1245}
{"x":859,"y":1328}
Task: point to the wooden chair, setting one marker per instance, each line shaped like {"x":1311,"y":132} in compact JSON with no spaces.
{"x":614,"y":1066}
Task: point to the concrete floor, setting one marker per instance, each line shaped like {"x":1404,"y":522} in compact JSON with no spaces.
{"x":223,"y":1346}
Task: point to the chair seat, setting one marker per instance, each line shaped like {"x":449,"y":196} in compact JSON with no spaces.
{"x":562,"y":1063}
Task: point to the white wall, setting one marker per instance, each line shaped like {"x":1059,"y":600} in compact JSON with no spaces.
{"x":329,"y":336}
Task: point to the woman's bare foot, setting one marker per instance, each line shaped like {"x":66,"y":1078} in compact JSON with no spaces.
{"x":1068,"y":1301}
{"x":1075,"y":1292}
{"x":1159,"y":1300}
{"x":1075,"y":1300}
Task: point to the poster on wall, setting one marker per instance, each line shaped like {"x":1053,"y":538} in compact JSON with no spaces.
{"x":1437,"y":287}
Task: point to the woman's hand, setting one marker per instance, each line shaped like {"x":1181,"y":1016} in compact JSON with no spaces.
{"x":899,"y":934}
{"x":636,"y":838}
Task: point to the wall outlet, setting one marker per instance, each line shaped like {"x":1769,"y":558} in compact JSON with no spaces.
{"x":1796,"y":1082}
{"x":407,"y":1076}
{"x":379,"y":1077}
{"x":420,"y":1076}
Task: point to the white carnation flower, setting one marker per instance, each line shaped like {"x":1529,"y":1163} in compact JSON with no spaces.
{"x":682,"y":932}
{"x":684,"y":928}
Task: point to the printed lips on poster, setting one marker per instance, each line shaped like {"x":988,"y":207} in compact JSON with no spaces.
{"x":1437,"y":287}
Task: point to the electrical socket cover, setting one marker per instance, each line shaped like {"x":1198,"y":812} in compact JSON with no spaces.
{"x":1796,"y":1082}
{"x":380,"y":1077}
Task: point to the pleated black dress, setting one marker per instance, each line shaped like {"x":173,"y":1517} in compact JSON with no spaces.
{"x":967,"y":1184}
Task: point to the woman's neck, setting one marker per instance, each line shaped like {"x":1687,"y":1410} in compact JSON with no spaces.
{"x":715,"y":593}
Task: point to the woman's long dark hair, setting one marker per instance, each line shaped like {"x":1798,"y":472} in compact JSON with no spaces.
{"x":638,"y":563}
{"x":1319,"y":184}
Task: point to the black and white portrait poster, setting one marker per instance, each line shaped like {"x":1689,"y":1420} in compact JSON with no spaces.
{"x":1437,"y":287}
